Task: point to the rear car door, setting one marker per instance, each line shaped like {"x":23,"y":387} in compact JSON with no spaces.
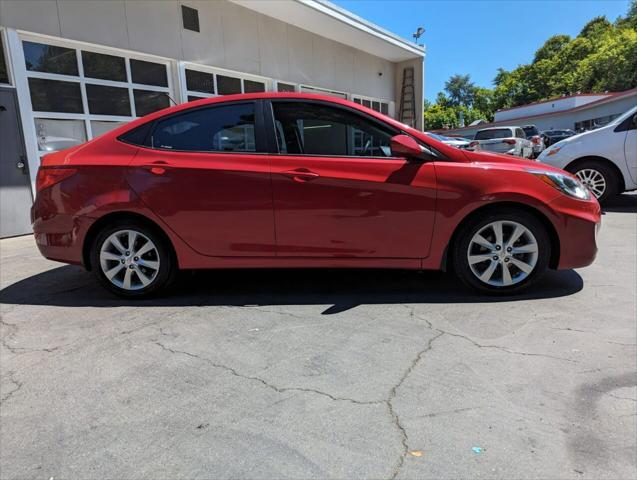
{"x":205,"y":172}
{"x":339,"y":192}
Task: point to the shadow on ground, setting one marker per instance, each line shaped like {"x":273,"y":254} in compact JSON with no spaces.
{"x":626,"y":203}
{"x":71,"y":286}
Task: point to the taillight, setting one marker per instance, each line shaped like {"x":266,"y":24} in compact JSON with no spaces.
{"x":50,"y":176}
{"x":473,"y":144}
{"x":510,"y":141}
{"x":535,"y":139}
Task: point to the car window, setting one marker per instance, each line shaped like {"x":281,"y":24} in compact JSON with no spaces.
{"x":316,"y":129}
{"x":224,"y":128}
{"x":519,"y":133}
{"x":530,"y":131}
{"x":494,"y":133}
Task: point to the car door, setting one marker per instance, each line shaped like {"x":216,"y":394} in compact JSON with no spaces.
{"x":338,"y":191}
{"x":207,"y":176}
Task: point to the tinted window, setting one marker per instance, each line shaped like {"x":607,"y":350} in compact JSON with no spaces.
{"x":200,"y":81}
{"x":227,"y":128}
{"x":4,"y":74}
{"x":105,"y":67}
{"x":284,"y":87}
{"x":49,"y":58}
{"x":103,"y":100}
{"x":139,"y":135}
{"x":147,"y":102}
{"x":148,"y":73}
{"x":228,"y":85}
{"x":495,"y":133}
{"x":251,"y":87}
{"x":530,"y":131}
{"x":315,"y":129}
{"x":55,"y":96}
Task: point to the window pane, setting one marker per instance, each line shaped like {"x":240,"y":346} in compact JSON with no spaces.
{"x":252,"y":87}
{"x":49,"y":58}
{"x":228,"y":128}
{"x":192,"y":98}
{"x":148,"y":73}
{"x":55,"y":96}
{"x":147,"y":102}
{"x":367,"y":103}
{"x":228,"y":85}
{"x":284,"y":87}
{"x":200,"y":81}
{"x":98,"y":127}
{"x":384,"y":108}
{"x":56,"y":135}
{"x":104,"y":100}
{"x":4,"y":74}
{"x":106,"y":67}
{"x":305,"y":128}
{"x":376,"y":106}
{"x":357,"y":100}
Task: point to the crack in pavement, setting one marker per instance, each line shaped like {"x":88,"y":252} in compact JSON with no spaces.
{"x":16,"y":383}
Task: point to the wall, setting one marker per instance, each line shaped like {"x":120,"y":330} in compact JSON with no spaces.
{"x":555,"y":105}
{"x":231,"y":37}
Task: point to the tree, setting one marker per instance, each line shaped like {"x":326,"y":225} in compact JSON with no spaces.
{"x":551,"y":47}
{"x":460,"y":90}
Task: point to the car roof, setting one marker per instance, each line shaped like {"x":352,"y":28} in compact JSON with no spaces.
{"x":497,"y":128}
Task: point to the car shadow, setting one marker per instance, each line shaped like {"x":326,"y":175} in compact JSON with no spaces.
{"x":71,"y":286}
{"x":626,"y":203}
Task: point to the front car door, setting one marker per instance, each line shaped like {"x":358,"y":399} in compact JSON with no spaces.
{"x":339,"y":192}
{"x":205,"y":173}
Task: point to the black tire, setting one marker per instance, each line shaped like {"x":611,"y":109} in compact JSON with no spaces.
{"x":468,"y":229}
{"x":165,"y":274}
{"x":610,"y":177}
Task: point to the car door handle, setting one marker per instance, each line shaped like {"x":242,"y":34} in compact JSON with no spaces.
{"x":300,"y":175}
{"x":157,"y":168}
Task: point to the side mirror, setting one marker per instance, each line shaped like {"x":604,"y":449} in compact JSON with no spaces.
{"x":405,"y":146}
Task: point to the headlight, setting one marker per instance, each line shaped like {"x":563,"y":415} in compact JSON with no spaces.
{"x":564,"y":183}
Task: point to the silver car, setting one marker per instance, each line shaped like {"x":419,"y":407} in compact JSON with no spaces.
{"x":509,"y":140}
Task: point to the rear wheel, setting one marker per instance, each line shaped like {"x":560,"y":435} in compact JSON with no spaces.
{"x":601,"y":180}
{"x":501,"y":252}
{"x":132,"y":260}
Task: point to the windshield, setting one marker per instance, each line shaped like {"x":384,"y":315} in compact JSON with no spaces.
{"x":621,"y":118}
{"x":495,"y":133}
{"x":530,"y":131}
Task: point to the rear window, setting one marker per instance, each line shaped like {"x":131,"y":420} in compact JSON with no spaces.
{"x":495,"y":133}
{"x":530,"y":131}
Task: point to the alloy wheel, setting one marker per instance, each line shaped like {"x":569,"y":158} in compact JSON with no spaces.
{"x":594,"y":180}
{"x":502,"y":253}
{"x":129,"y":260}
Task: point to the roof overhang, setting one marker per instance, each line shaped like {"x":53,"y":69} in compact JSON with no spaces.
{"x":330,"y":21}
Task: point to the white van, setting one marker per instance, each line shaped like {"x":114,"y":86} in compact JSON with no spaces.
{"x":604,"y":159}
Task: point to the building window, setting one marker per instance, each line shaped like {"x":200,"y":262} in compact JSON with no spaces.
{"x":40,"y":57}
{"x":205,"y":82}
{"x":104,"y":67}
{"x":4,"y":73}
{"x":378,"y":105}
{"x":190,"y":18}
{"x":78,"y":94}
{"x":323,"y":91}
{"x":285,"y":87}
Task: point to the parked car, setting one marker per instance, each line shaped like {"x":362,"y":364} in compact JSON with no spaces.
{"x":453,"y":141}
{"x":508,"y":140}
{"x":299,"y":180}
{"x":553,"y":136}
{"x":605,"y":159}
{"x":533,"y":134}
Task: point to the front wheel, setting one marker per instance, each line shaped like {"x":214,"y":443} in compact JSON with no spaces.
{"x":600,"y":179}
{"x":501,"y":252}
{"x":132,"y":260}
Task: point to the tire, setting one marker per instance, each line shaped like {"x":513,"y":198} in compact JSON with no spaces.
{"x":137,"y":276}
{"x":589,"y":170}
{"x":525,"y":267}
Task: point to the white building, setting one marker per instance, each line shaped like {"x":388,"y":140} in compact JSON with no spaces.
{"x":574,"y":112}
{"x":71,"y":70}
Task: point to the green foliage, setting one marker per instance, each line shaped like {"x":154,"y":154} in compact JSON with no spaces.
{"x":603,"y":57}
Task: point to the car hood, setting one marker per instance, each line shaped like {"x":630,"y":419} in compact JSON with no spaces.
{"x":506,"y":162}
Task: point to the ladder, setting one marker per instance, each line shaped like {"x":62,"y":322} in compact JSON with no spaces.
{"x":408,"y":98}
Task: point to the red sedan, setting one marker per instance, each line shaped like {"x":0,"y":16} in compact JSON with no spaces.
{"x":298,"y":180}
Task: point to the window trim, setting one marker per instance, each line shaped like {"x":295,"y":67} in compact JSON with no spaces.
{"x":259,"y":134}
{"x":4,"y":44}
{"x":271,"y":130}
{"x":185,"y":93}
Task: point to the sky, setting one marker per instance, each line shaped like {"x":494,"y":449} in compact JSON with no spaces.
{"x":477,"y":37}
